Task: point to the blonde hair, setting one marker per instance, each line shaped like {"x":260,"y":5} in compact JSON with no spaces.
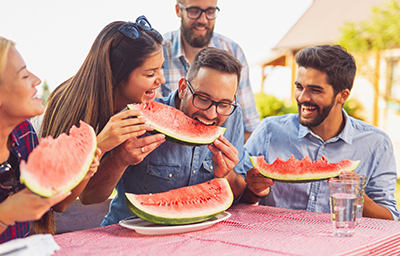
{"x":5,"y":45}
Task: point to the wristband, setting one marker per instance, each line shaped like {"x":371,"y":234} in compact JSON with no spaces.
{"x":262,"y":197}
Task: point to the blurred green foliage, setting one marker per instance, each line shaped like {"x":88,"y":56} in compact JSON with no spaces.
{"x":269,"y":105}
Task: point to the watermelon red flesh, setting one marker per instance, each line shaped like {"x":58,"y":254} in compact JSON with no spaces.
{"x":176,"y":125}
{"x":183,"y":205}
{"x":301,"y":170}
{"x":61,"y":163}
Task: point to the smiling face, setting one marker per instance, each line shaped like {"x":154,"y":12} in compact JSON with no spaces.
{"x":316,"y":101}
{"x":18,"y":99}
{"x":197,"y":33}
{"x":212,"y":84}
{"x":142,"y":83}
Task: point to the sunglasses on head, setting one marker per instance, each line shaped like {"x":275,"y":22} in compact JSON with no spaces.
{"x":9,"y":174}
{"x":132,"y":30}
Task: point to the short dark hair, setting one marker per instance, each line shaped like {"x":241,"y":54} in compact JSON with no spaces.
{"x":216,"y":59}
{"x":334,"y":60}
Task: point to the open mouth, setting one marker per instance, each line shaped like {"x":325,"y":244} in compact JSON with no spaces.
{"x":307,"y":110}
{"x":204,"y":121}
{"x":151,"y":93}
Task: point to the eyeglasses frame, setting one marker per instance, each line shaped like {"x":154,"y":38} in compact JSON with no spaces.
{"x":181,"y":6}
{"x":213,"y":103}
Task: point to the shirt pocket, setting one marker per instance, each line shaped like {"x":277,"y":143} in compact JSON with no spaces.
{"x":161,"y":177}
{"x":208,"y":169}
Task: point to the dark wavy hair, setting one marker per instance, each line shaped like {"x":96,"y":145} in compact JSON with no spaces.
{"x":334,"y":60}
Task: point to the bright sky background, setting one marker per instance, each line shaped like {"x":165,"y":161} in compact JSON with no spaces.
{"x":54,"y":36}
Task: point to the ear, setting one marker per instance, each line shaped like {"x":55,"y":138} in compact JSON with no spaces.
{"x":182,"y":87}
{"x":343,"y":96}
{"x":177,"y":10}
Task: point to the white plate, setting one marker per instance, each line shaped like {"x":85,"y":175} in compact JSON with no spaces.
{"x":148,"y":228}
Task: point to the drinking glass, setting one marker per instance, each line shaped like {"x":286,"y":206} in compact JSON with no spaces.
{"x":361,"y":179}
{"x":343,"y":194}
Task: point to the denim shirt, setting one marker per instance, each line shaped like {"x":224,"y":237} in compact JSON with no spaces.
{"x":172,"y":166}
{"x":283,"y":136}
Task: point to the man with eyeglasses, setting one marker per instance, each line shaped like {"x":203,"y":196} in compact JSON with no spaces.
{"x":206,"y":94}
{"x":197,"y":32}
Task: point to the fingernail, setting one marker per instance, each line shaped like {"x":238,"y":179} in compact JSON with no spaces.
{"x":151,"y":126}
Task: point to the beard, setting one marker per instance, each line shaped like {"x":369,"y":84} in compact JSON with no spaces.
{"x":196,"y":41}
{"x":321,"y":116}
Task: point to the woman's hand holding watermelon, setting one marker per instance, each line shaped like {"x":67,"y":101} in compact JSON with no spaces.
{"x":133,"y":151}
{"x":26,"y":206}
{"x":120,"y":128}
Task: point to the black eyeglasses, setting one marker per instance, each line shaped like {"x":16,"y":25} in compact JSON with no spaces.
{"x":132,"y":30}
{"x":195,"y":12}
{"x":9,"y":174}
{"x":204,"y":103}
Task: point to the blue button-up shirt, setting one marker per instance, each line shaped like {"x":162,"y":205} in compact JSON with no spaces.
{"x":283,"y":136}
{"x":172,"y":166}
{"x":176,"y":66}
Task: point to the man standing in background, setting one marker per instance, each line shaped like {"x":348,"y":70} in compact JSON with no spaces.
{"x":196,"y":33}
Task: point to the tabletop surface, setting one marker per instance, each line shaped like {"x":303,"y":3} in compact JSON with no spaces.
{"x":251,"y":230}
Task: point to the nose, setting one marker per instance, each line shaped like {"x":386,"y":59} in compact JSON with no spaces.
{"x":211,"y":113}
{"x":202,"y":19}
{"x":303,"y":96}
{"x":35,"y":80}
{"x":161,"y":79}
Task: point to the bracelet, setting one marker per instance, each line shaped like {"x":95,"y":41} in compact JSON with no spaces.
{"x":4,"y":225}
{"x":263,"y":197}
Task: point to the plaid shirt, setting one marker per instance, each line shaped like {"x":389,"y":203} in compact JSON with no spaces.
{"x":24,"y":140}
{"x":176,"y":67}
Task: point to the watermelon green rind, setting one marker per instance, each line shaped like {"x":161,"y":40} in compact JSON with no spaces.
{"x":171,"y":135}
{"x":178,"y":207}
{"x":31,"y":180}
{"x":305,"y":170}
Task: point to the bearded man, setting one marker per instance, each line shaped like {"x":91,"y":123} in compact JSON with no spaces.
{"x":322,"y":127}
{"x":197,"y":32}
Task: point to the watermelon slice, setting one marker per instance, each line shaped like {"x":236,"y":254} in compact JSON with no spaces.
{"x":61,"y":163}
{"x":183,"y":205}
{"x":301,"y":170}
{"x":177,"y":126}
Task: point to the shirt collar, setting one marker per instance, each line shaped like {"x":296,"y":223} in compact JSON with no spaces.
{"x":346,"y":135}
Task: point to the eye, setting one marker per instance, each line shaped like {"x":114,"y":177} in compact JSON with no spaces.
{"x":151,"y":75}
{"x":202,"y":99}
{"x":224,"y":105}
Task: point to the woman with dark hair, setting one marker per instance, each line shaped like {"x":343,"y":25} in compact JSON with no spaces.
{"x":123,"y":66}
{"x":18,"y":103}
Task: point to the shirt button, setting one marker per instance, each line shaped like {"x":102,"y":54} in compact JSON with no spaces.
{"x":323,"y":146}
{"x":194,"y":171}
{"x":312,"y":198}
{"x":170,"y":175}
{"x":211,"y":167}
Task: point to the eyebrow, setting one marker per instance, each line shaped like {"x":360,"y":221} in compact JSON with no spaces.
{"x":209,"y":96}
{"x":310,"y":85}
{"x":22,"y":68}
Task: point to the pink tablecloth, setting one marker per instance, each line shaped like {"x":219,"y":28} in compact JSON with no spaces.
{"x":251,"y":230}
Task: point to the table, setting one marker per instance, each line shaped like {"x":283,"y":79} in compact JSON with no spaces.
{"x":251,"y":230}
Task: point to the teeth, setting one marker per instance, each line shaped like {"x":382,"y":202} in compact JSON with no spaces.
{"x":204,"y":121}
{"x":200,"y":28}
{"x":308,"y":108}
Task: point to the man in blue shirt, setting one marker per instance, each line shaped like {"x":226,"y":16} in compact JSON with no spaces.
{"x":197,"y":32}
{"x":207,"y":94}
{"x":324,"y":80}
